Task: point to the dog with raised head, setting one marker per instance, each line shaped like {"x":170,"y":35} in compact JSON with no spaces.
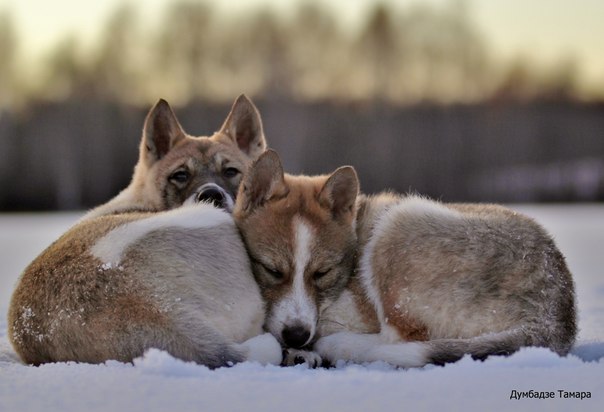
{"x":400,"y":279}
{"x":173,"y":165}
{"x":132,"y":275}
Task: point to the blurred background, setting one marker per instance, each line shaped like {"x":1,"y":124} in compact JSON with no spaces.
{"x":498,"y":100}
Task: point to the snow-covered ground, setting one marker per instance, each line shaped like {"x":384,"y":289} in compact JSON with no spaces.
{"x":158,"y":382}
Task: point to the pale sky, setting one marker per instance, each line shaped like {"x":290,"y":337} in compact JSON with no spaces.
{"x":543,"y":30}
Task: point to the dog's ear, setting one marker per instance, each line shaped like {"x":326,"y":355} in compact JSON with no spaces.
{"x":263,"y":182}
{"x":340,"y":192}
{"x":161,"y":132}
{"x":243,"y":126}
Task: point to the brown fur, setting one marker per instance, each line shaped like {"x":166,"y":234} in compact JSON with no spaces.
{"x":69,"y":305}
{"x":186,"y":289}
{"x":39,"y":307}
{"x":462,"y":271}
{"x":168,"y":153}
{"x":270,"y":242}
{"x":429,"y":264}
{"x":463,"y":278}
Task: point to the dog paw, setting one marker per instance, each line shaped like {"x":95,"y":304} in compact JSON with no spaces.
{"x":293,"y":357}
{"x":264,"y":349}
{"x":328,"y":349}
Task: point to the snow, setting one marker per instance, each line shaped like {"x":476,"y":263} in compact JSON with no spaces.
{"x":158,"y":382}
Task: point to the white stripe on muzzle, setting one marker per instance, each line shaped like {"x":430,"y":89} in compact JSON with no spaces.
{"x":297,"y":308}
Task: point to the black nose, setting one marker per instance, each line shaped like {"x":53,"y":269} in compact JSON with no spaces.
{"x":212,"y":195}
{"x":295,"y":336}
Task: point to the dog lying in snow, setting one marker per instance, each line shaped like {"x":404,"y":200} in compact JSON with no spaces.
{"x":400,"y":279}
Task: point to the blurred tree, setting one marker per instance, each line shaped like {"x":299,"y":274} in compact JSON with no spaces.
{"x":268,"y":41}
{"x":116,"y":64}
{"x":66,"y":75}
{"x":446,"y":58}
{"x":235,"y":65}
{"x":378,"y":51}
{"x":317,"y":52}
{"x":182,"y":50}
{"x":524,"y":80}
{"x":517,"y":82}
{"x":561,"y":83}
{"x":399,"y":54}
{"x":8,"y":55}
{"x":468,"y":57}
{"x":252,"y":56}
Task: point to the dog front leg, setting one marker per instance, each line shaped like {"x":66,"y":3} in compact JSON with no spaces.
{"x":360,"y":348}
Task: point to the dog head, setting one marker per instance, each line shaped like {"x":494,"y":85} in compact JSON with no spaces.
{"x":174,"y":166}
{"x":300,"y":235}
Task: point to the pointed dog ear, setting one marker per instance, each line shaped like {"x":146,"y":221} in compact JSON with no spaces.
{"x":340,"y":192}
{"x":160,"y":132}
{"x":263,"y":182}
{"x":243,"y":126}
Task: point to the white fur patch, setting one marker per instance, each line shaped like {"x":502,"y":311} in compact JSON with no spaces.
{"x":420,"y":206}
{"x":366,"y":275}
{"x":360,"y":348}
{"x":412,"y":207}
{"x":263,"y":349}
{"x":297,"y":306}
{"x":110,"y":248}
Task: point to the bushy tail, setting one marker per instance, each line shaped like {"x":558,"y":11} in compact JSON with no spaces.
{"x":505,"y":343}
{"x":559,"y":340}
{"x":371,"y":348}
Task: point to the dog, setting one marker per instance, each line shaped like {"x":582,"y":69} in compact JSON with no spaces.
{"x":400,"y":279}
{"x":116,"y":285}
{"x":153,"y":267}
{"x":172,"y":165}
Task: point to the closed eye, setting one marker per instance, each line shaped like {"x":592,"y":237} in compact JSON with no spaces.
{"x":320,"y":273}
{"x":273,"y":272}
{"x":276,"y":274}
